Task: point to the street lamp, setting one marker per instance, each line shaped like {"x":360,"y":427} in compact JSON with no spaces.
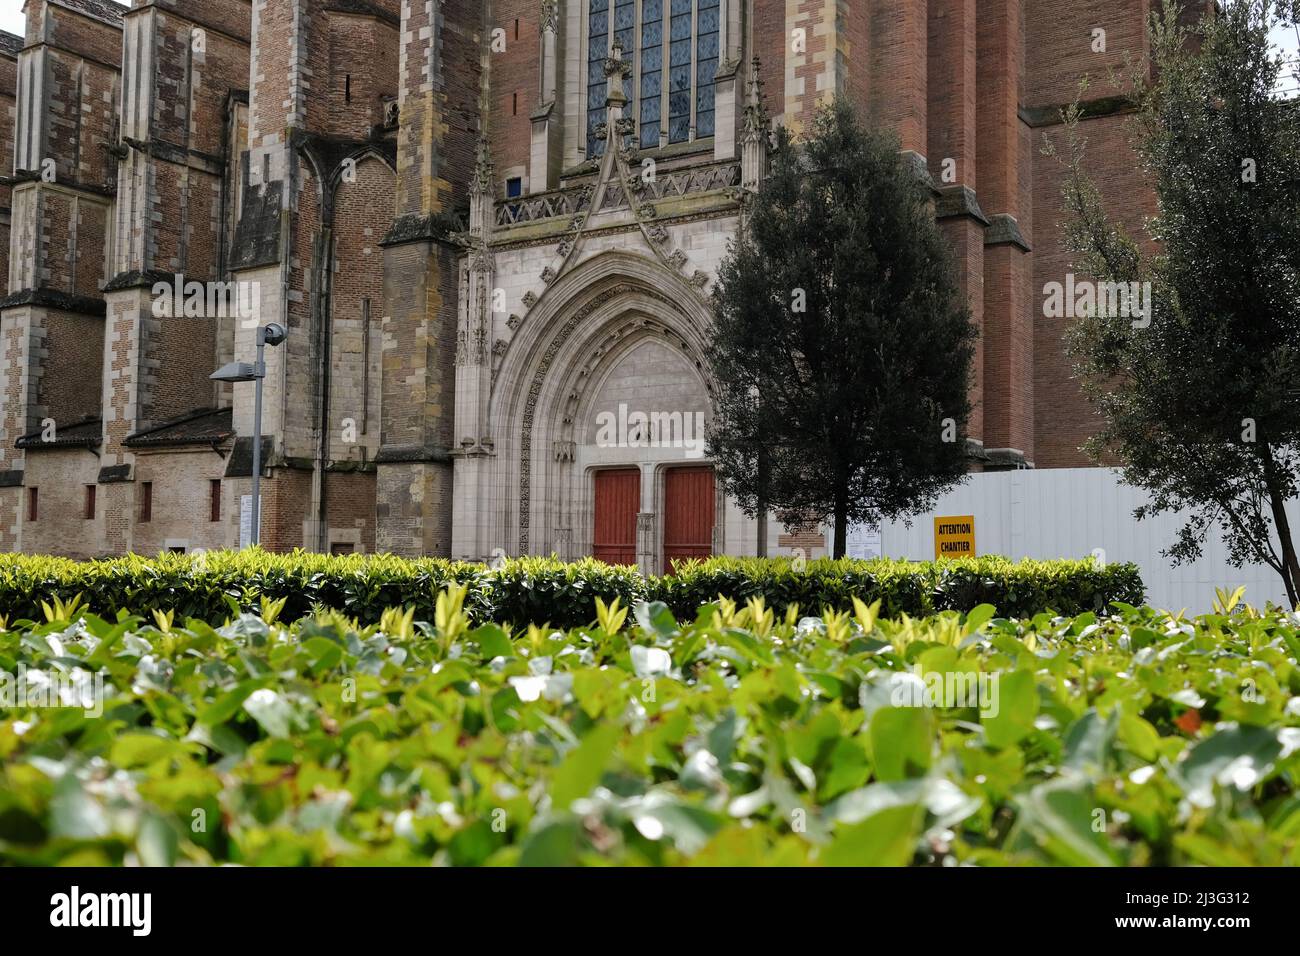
{"x":271,"y":334}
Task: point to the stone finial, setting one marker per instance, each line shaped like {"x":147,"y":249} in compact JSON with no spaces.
{"x":616,"y":58}
{"x":756,"y":134}
{"x":616,"y":66}
{"x":550,"y":16}
{"x":755,"y":111}
{"x":483,"y":167}
{"x":481,"y":191}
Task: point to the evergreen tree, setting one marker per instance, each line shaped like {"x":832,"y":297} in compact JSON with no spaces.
{"x":1198,"y":399}
{"x":843,"y":345}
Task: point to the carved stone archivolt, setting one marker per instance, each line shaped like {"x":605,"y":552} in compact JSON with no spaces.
{"x":530,"y":405}
{"x":582,"y":375}
{"x":666,"y":296}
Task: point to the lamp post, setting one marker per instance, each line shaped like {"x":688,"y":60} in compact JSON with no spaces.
{"x":271,"y":334}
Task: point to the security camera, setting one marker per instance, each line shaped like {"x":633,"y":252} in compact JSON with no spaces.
{"x":273,"y":334}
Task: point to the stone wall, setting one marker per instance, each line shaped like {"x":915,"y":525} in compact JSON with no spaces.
{"x":9,"y":48}
{"x":181,"y":513}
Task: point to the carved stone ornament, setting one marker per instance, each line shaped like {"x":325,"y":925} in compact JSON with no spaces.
{"x":550,"y":16}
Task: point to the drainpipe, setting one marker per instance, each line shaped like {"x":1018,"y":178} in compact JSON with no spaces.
{"x":325,"y":283}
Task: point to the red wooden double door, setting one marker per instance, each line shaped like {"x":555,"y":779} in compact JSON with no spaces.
{"x":689,"y":512}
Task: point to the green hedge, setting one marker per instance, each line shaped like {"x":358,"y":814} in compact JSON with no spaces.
{"x":1016,"y":589}
{"x":644,"y":741}
{"x":542,"y":590}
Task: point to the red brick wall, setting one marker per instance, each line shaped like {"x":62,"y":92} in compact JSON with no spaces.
{"x":966,"y":237}
{"x":302,"y":412}
{"x":269,"y":71}
{"x":1029,"y":145}
{"x":81,"y":110}
{"x":338,"y":41}
{"x":350,"y":507}
{"x":231,"y":19}
{"x":362,"y":216}
{"x":78,"y":113}
{"x":224,"y":68}
{"x":951,"y":90}
{"x":186,"y":350}
{"x":191,"y":90}
{"x":286,"y":499}
{"x":169,"y":211}
{"x":15,"y":413}
{"x":173,"y":80}
{"x":897,"y":94}
{"x":80,"y":34}
{"x":771,"y":45}
{"x":1060,"y":51}
{"x":812,"y":17}
{"x":363,"y":70}
{"x":8,"y":91}
{"x":515,"y":82}
{"x":999,"y":66}
{"x":69,"y":387}
{"x":1067,"y":419}
{"x":57,"y":256}
{"x":438,"y":182}
{"x":8,"y":116}
{"x":86,"y":251}
{"x":1008,"y":351}
{"x":11,"y":500}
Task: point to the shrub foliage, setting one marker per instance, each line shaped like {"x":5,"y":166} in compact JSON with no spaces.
{"x":541,"y":590}
{"x":739,"y":738}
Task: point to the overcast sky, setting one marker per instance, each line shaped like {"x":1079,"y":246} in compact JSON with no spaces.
{"x":11,"y":19}
{"x":11,"y":16}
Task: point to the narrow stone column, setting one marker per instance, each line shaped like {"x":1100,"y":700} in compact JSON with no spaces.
{"x":547,"y":150}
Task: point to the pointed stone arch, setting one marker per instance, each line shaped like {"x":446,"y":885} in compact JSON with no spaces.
{"x":585,"y":321}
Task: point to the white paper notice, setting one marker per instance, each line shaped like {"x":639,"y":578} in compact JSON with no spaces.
{"x":863,"y":541}
{"x":246,"y":520}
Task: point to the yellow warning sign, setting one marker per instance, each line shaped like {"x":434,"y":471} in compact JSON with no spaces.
{"x":954,"y":537}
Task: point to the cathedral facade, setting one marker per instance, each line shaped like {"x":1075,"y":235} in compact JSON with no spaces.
{"x":491,"y":229}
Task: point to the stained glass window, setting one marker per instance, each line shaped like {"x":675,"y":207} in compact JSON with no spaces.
{"x":597,"y":85}
{"x":706,"y":66}
{"x":652,"y":71}
{"x":673,"y":47}
{"x":679,"y":73}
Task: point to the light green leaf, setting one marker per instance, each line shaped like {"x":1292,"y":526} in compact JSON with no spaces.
{"x":583,"y":766}
{"x":886,"y":838}
{"x":1009,"y":717}
{"x":902,"y":739}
